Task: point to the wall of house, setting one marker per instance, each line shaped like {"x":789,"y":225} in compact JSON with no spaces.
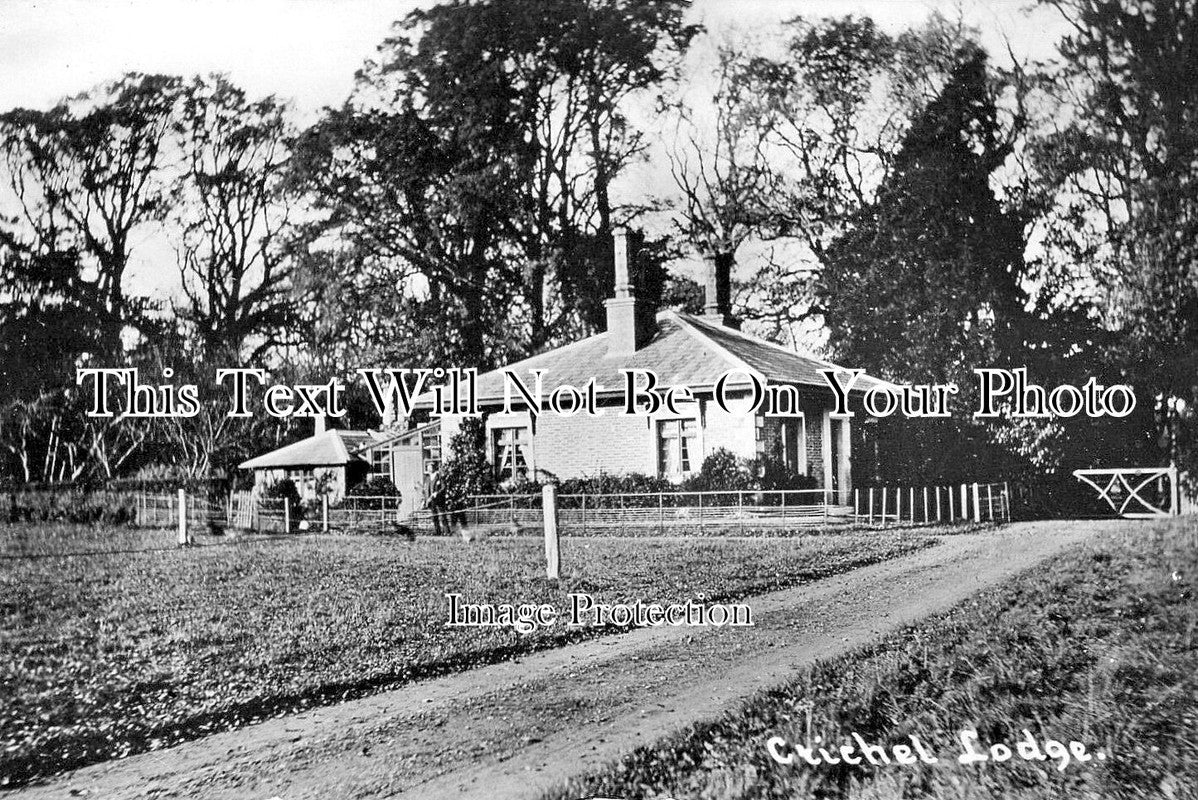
{"x":734,"y":430}
{"x":265,"y":478}
{"x":615,"y":443}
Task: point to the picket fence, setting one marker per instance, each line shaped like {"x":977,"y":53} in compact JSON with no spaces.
{"x":245,"y":511}
{"x":932,"y":505}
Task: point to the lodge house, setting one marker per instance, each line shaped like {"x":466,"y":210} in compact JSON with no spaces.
{"x":682,"y":349}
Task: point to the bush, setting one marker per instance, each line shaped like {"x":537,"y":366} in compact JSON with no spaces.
{"x":378,"y":489}
{"x":67,"y":504}
{"x":465,"y":470}
{"x":604,"y":483}
{"x":378,"y":486}
{"x":722,"y":471}
{"x":286,"y":489}
{"x":631,"y":483}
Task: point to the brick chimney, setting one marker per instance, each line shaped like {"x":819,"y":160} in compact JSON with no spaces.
{"x":630,"y":323}
{"x":717,"y":305}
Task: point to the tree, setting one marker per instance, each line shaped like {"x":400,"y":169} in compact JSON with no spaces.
{"x":85,"y":175}
{"x":798,"y":143}
{"x":725,"y":179}
{"x":233,"y":209}
{"x":1121,"y":169}
{"x":470,"y":176}
{"x":937,"y":261}
{"x":466,"y":470}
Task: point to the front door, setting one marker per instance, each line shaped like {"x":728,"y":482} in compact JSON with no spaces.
{"x":409,"y":479}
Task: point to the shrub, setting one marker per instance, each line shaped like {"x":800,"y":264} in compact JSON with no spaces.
{"x":286,"y":489}
{"x":378,"y":489}
{"x":605,"y":483}
{"x":378,"y":486}
{"x":465,"y":470}
{"x":722,"y":471}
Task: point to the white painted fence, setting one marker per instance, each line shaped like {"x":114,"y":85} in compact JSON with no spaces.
{"x":932,"y":505}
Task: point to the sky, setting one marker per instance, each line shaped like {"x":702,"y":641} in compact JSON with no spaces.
{"x":306,"y":51}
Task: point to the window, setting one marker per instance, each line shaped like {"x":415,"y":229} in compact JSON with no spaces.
{"x":304,"y":480}
{"x":430,"y":450}
{"x":792,"y":446}
{"x":511,"y":452}
{"x":676,"y":447}
{"x":380,"y":462}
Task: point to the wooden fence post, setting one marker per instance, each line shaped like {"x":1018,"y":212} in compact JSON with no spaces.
{"x":182,"y":517}
{"x":553,"y":558}
{"x":883,"y":505}
{"x":1174,"y":492}
{"x":964,"y":502}
{"x":990,"y":499}
{"x":871,"y":505}
{"x":1006,"y":500}
{"x":324,"y":513}
{"x":977,"y":505}
{"x":925,"y":506}
{"x":286,"y":515}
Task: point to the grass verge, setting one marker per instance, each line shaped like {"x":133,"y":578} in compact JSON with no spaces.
{"x":1098,"y":646}
{"x":114,"y":653}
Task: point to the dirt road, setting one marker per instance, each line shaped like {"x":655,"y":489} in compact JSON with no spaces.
{"x":513,"y":730}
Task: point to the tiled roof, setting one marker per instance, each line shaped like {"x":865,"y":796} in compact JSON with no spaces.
{"x":685,"y":351}
{"x":331,"y":448}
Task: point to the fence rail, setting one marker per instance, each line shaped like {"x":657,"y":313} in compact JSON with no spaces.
{"x":727,"y":511}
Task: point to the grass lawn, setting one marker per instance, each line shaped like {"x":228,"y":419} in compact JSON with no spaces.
{"x":126,"y":650}
{"x":1098,"y":646}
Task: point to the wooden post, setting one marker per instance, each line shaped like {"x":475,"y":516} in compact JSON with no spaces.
{"x":926,"y":518}
{"x":324,"y":513}
{"x":871,"y":505}
{"x":937,"y":503}
{"x":964,"y":502}
{"x":1006,"y":500}
{"x":911,"y":503}
{"x":661,"y":513}
{"x":286,"y":515}
{"x":977,"y":506}
{"x":182,"y":518}
{"x":1174,"y":492}
{"x":898,"y":504}
{"x":952,"y":512}
{"x":883,"y":505}
{"x":856,"y":505}
{"x":553,"y":558}
{"x":990,"y":499}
